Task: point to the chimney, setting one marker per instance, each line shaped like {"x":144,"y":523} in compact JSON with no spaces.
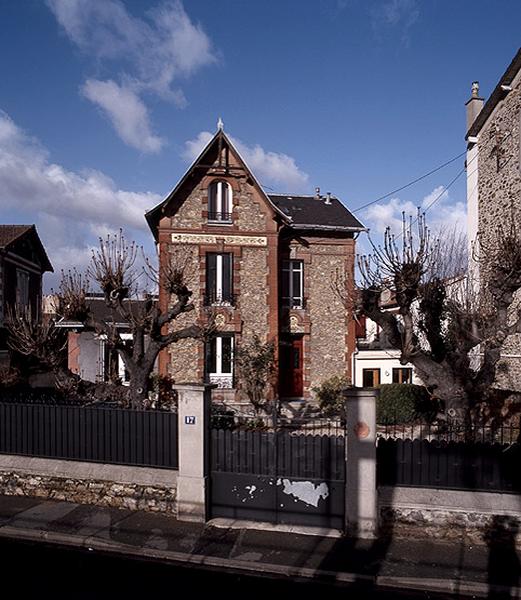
{"x":317,"y":193}
{"x":328,"y":198}
{"x":474,"y":105}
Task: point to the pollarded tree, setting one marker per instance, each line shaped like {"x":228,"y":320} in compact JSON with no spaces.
{"x":448,"y":327}
{"x":255,"y":362}
{"x":113,"y":268}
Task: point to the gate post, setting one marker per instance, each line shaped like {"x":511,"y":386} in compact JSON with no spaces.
{"x":361,"y":515}
{"x":194,"y":444}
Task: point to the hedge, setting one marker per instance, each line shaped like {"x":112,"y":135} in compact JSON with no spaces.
{"x":404,"y":403}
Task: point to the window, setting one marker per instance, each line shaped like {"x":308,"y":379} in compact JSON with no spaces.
{"x":402,"y":375}
{"x":220,"y":202}
{"x":22,"y":288}
{"x":219,"y":278}
{"x":371,"y":377}
{"x":219,"y":360}
{"x":292,"y":283}
{"x":111,"y":367}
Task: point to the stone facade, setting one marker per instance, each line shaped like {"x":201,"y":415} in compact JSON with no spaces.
{"x":258,"y":238}
{"x":421,"y":513}
{"x":499,"y":170}
{"x":133,"y":488}
{"x":494,"y":191}
{"x":329,"y":349}
{"x":100,"y":493}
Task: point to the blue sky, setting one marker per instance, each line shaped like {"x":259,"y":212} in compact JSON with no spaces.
{"x":104,"y":103}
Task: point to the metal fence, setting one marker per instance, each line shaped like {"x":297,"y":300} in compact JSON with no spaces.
{"x":451,"y":455}
{"x":310,"y":449}
{"x":104,"y":435}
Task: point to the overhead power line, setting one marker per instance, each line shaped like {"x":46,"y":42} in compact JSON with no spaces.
{"x":403,"y":187}
{"x":445,"y":189}
{"x":438,"y":197}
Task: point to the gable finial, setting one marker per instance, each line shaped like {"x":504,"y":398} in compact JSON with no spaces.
{"x":220,"y":125}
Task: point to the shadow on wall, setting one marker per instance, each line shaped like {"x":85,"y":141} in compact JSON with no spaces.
{"x":503,"y":563}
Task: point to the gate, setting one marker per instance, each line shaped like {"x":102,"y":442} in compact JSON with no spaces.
{"x":292,"y":473}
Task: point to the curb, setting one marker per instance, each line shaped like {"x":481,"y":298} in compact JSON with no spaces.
{"x":452,"y":586}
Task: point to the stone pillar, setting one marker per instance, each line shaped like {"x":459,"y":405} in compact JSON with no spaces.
{"x":194,"y":444}
{"x":361,"y":493}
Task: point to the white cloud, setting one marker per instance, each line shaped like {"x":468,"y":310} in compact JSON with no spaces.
{"x":442,"y":213}
{"x":401,"y":14}
{"x":126,"y":111}
{"x":150,"y":55}
{"x":194,"y":147}
{"x":268,"y":167}
{"x":69,"y":207}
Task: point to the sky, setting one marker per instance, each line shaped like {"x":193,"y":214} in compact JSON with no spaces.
{"x":104,"y":104}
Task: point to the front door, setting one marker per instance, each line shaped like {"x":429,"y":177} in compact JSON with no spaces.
{"x":291,"y":383}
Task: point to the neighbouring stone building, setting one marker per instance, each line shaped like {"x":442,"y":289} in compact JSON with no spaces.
{"x":494,"y":184}
{"x":264,"y":264}
{"x":23,"y":261}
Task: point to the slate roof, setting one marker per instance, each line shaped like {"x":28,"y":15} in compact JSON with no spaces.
{"x":497,"y":95}
{"x":310,"y":212}
{"x":101,"y":312}
{"x":11,"y":233}
{"x":295,"y":211}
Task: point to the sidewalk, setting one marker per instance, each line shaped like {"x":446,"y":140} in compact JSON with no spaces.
{"x":455,"y":568}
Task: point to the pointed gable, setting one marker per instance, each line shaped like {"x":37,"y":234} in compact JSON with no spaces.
{"x":24,"y":240}
{"x":219,"y":158}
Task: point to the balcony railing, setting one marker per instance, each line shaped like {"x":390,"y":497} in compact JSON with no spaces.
{"x":220,"y":217}
{"x":219,"y":299}
{"x":294,"y":303}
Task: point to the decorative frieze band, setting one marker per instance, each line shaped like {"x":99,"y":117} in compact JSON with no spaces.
{"x":231,"y":240}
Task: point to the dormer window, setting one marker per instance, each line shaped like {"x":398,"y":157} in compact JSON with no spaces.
{"x":220,"y":202}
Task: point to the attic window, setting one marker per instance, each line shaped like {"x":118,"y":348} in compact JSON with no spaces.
{"x":220,"y":202}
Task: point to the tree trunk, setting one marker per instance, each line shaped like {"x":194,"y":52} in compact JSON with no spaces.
{"x":139,"y":387}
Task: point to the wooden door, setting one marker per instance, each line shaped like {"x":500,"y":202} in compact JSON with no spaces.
{"x":291,"y":368}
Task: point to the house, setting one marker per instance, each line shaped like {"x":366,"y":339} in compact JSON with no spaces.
{"x":264,"y":263}
{"x":494,"y":184}
{"x":23,"y":261}
{"x":88,"y":353}
{"x":494,"y":154}
{"x":375,"y":360}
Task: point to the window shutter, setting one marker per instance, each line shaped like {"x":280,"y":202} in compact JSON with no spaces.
{"x":226,"y":354}
{"x":227,"y":277}
{"x":225,"y":195}
{"x":212,"y":198}
{"x":285,"y":283}
{"x":211,"y":276}
{"x":211,"y":356}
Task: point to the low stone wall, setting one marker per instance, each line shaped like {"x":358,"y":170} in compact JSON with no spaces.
{"x":134,"y":488}
{"x":420,"y":513}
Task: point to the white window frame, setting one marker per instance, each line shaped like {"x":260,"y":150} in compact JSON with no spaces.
{"x":219,"y":278}
{"x":219,"y":356}
{"x":289,"y":273}
{"x":219,"y":200}
{"x":121,"y":364}
{"x":222,"y":380}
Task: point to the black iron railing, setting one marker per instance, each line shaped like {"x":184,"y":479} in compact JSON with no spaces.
{"x":220,"y":216}
{"x":213,"y":298}
{"x":293,"y":303}
{"x":105,"y":435}
{"x":313,"y":448}
{"x":450,"y":455}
